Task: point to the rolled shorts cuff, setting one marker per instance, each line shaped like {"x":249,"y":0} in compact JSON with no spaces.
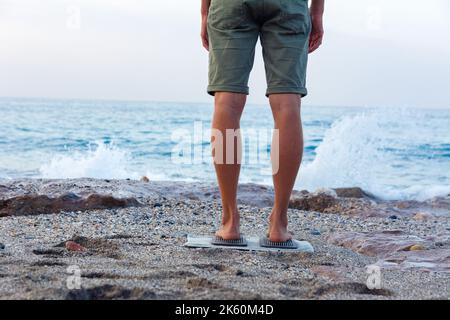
{"x":212,"y":89}
{"x":296,"y":90}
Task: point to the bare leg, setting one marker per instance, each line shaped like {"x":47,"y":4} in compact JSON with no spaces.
{"x":227,"y":113}
{"x":286,"y":113}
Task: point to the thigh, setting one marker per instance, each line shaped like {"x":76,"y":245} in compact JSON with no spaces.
{"x":232,"y":39}
{"x":285,"y":38}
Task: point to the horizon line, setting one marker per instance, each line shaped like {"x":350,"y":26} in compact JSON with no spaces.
{"x":206,"y":103}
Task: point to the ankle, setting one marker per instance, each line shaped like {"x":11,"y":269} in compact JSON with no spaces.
{"x":230,"y":216}
{"x":278,"y":219}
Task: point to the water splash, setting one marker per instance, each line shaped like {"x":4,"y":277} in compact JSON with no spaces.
{"x":101,"y":161}
{"x":366,"y":150}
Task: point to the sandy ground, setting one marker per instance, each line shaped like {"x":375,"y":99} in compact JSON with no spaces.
{"x":138,"y":253}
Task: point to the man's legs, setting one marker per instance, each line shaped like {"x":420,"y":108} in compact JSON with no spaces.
{"x":286,"y":113}
{"x":227,"y":114}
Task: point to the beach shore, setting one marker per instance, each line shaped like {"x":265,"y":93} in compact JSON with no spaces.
{"x":126,"y":239}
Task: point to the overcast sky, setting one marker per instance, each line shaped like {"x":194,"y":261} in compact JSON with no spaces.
{"x":375,"y":52}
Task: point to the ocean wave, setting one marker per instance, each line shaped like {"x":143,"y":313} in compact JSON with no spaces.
{"x":361,"y":150}
{"x":101,"y":161}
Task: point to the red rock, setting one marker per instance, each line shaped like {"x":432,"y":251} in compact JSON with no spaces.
{"x":73,"y":246}
{"x":40,"y":204}
{"x":352,"y":193}
{"x":376,"y":244}
{"x":319,"y":201}
{"x":435,"y":260}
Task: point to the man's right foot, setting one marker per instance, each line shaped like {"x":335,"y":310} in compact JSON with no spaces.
{"x":279,"y":235}
{"x":228,"y":233}
{"x":278,"y":231}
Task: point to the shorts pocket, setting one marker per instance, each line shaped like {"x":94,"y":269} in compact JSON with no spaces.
{"x":294,"y":16}
{"x":226,"y":14}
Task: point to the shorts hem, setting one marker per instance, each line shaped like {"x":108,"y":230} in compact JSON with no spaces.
{"x":303,"y":92}
{"x":234,"y":89}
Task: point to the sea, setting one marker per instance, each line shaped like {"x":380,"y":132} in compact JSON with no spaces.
{"x":395,"y":153}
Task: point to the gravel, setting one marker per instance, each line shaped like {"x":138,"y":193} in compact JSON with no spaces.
{"x":138,"y":253}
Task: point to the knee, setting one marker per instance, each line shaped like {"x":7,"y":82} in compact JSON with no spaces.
{"x":230,"y":103}
{"x":286,"y":112}
{"x":285,"y":106}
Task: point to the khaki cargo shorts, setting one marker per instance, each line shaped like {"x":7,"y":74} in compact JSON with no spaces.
{"x":234,"y":27}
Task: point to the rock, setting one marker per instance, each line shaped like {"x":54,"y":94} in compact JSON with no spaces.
{"x":378,"y":243}
{"x":352,"y":193}
{"x":73,"y":246}
{"x":2,"y":246}
{"x":157,"y":205}
{"x":315,"y":232}
{"x":41,"y":204}
{"x":239,"y":272}
{"x":422,"y":216}
{"x":145,"y":179}
{"x":97,"y":246}
{"x":397,"y":250}
{"x":393,"y":217}
{"x":318,"y":201}
{"x":435,"y":260}
{"x":416,"y":247}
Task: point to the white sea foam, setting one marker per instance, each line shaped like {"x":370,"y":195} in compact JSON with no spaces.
{"x":101,"y":161}
{"x":357,"y":151}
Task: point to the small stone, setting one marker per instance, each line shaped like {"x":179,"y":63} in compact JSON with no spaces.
{"x":2,"y":246}
{"x":417,"y":247}
{"x":73,"y":246}
{"x":393,"y":217}
{"x":315,"y":232}
{"x":145,"y":179}
{"x":239,"y":272}
{"x":157,"y":204}
{"x":422,"y":216}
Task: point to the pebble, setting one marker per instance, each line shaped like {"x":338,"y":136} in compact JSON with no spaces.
{"x":422,"y":216}
{"x":417,"y":247}
{"x":393,"y":217}
{"x":198,"y":217}
{"x":73,"y":246}
{"x":2,"y":246}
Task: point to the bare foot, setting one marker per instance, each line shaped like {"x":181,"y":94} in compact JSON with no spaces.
{"x":230,"y":230}
{"x":228,"y":234}
{"x":278,"y":231}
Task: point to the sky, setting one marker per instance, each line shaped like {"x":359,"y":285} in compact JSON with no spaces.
{"x":375,"y":52}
